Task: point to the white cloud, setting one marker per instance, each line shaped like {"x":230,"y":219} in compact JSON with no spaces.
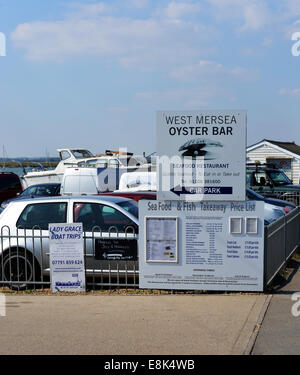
{"x":117,"y":109}
{"x":139,"y":3}
{"x":292,"y":28}
{"x":292,"y":8}
{"x":267,"y":42}
{"x":140,"y":43}
{"x":93,"y":9}
{"x":80,"y":10}
{"x":181,"y":9}
{"x":206,"y":70}
{"x":185,"y":98}
{"x":290,"y":92}
{"x":254,"y":14}
{"x":257,"y":15}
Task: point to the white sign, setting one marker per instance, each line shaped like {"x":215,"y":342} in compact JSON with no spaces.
{"x":66,"y":257}
{"x":220,"y":246}
{"x":161,"y":239}
{"x":202,"y":155}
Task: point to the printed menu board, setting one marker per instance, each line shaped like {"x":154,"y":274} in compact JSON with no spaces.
{"x":161,"y":239}
{"x":201,"y":245}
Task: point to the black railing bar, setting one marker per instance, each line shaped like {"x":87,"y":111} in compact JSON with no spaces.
{"x":112,"y":284}
{"x":276,"y":272}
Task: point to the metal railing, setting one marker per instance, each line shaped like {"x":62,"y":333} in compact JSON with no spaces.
{"x":290,"y":197}
{"x":111,"y":258}
{"x":282,"y":239}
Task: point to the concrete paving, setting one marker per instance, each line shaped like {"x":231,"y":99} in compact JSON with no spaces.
{"x":280,"y":330}
{"x":137,"y":324}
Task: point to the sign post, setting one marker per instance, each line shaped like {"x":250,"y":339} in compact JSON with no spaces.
{"x":67,"y":269}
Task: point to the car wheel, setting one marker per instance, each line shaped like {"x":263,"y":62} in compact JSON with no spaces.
{"x":19,"y":269}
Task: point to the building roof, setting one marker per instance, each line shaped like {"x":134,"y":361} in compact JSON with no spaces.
{"x":290,"y":147}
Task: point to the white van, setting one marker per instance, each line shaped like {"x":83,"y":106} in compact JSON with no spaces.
{"x":138,"y":181}
{"x":89,"y":180}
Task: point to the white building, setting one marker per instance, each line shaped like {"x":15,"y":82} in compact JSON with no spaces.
{"x":283,"y":155}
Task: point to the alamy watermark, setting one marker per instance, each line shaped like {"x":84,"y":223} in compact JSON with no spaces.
{"x":182,"y":175}
{"x":2,"y":304}
{"x":2,"y":44}
{"x":296,"y":46}
{"x":295,"y":310}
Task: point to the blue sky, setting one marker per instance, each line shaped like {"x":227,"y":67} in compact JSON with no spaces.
{"x":92,"y":74}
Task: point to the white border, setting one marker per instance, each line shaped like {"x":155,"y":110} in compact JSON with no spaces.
{"x":241,"y":224}
{"x":145,"y":238}
{"x":251,"y":217}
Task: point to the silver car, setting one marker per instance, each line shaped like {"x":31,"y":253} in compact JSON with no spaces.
{"x":110,"y":239}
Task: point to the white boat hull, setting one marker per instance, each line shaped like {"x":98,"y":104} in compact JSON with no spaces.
{"x":39,"y":178}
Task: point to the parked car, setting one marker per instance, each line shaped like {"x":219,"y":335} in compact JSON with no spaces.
{"x":271,"y":183}
{"x":272,"y":213}
{"x":287,"y":206}
{"x":10,"y":185}
{"x":33,"y":191}
{"x":25,"y":253}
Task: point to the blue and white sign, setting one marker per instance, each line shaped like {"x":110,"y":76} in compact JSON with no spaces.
{"x":201,"y":155}
{"x":67,"y":269}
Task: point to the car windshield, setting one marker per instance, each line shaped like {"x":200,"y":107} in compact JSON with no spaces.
{"x":131,"y":206}
{"x":279,"y":178}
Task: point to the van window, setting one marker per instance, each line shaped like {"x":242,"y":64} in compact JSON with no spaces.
{"x":42,"y":214}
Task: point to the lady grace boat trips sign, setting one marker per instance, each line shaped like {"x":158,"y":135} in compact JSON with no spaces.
{"x":67,"y":270}
{"x":201,"y":155}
